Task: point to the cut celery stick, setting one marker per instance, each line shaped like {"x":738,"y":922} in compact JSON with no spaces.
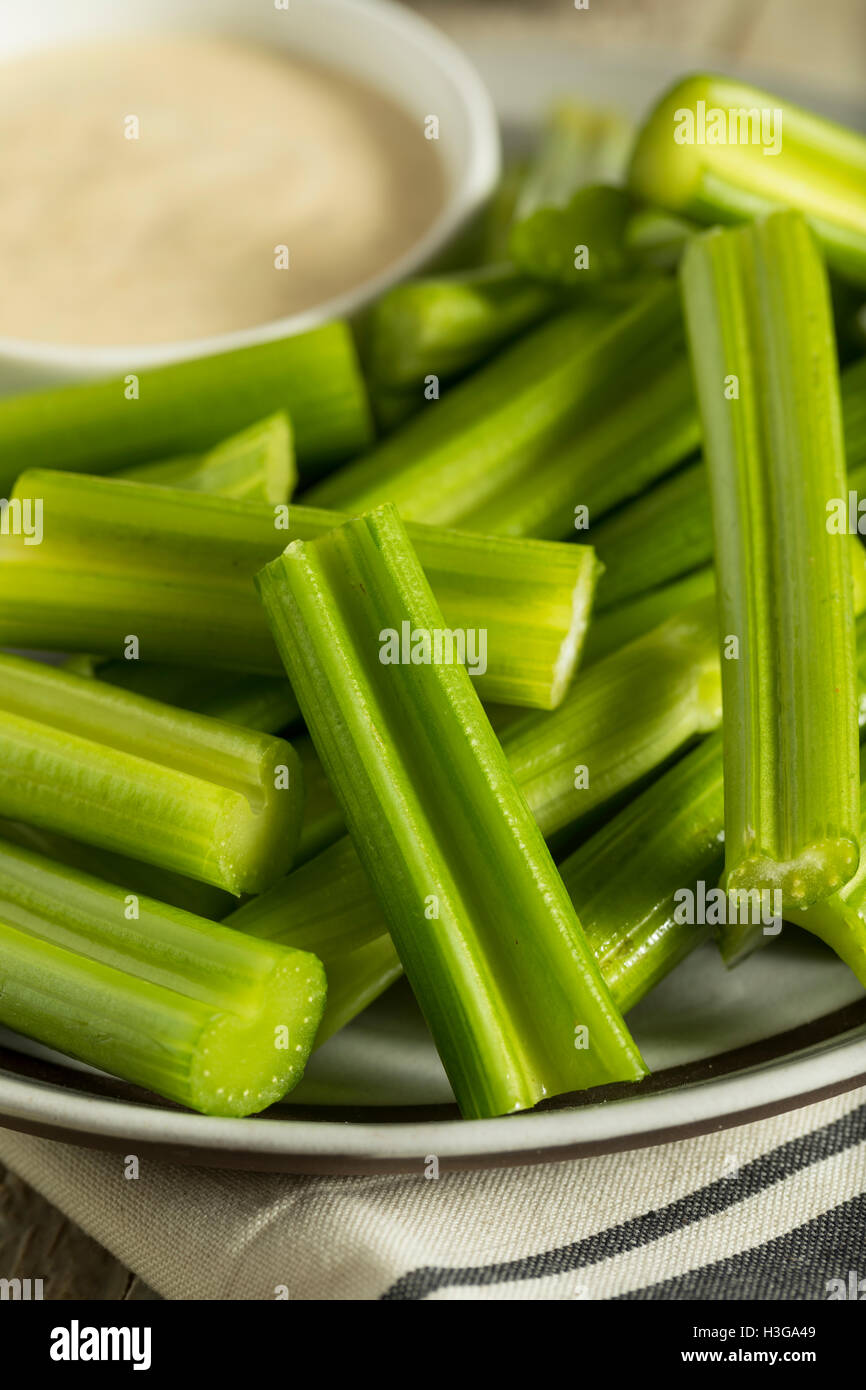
{"x":256,"y":465}
{"x":255,"y":702}
{"x":659,"y":537}
{"x":737,"y":940}
{"x":265,"y":703}
{"x":671,"y":835}
{"x":668,"y":531}
{"x":444,"y":326}
{"x":323,"y":819}
{"x":758,"y":314}
{"x":131,"y":874}
{"x":719,"y":151}
{"x":486,"y":933}
{"x":175,"y":570}
{"x":657,"y":239}
{"x":191,"y":794}
{"x":624,"y":718}
{"x":840,"y":920}
{"x":328,"y":902}
{"x":481,"y":446}
{"x":625,"y":880}
{"x":617,"y":626}
{"x":578,"y":145}
{"x":205,"y":1016}
{"x":190,"y":406}
{"x":615,"y":457}
{"x":577,"y":244}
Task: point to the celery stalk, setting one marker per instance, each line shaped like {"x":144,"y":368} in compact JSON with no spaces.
{"x":175,"y":570}
{"x":329,"y":903}
{"x":480,"y":447}
{"x":720,"y":151}
{"x":616,"y":456}
{"x":659,"y":537}
{"x":616,"y":627}
{"x":624,"y":882}
{"x":205,"y":1016}
{"x":256,"y":465}
{"x":255,"y":702}
{"x":605,"y":727}
{"x":136,"y":877}
{"x":625,"y":879}
{"x":190,"y":406}
{"x":486,"y":933}
{"x":188,"y":793}
{"x":737,"y":940}
{"x":624,"y":717}
{"x":840,"y":920}
{"x":578,"y":145}
{"x":446,"y":325}
{"x":579,"y":244}
{"x":668,"y":531}
{"x":265,"y":703}
{"x":758,"y":315}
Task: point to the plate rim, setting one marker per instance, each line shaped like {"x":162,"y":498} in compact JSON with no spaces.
{"x":303,"y":1146}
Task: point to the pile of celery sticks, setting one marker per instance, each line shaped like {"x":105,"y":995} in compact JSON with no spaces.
{"x":615,"y":448}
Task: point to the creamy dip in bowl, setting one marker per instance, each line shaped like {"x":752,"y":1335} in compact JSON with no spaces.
{"x":185,"y":178}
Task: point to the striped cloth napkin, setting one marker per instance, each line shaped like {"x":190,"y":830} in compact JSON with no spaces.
{"x":771,"y":1210}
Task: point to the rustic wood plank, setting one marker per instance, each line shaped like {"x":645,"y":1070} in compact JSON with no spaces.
{"x":38,"y":1242}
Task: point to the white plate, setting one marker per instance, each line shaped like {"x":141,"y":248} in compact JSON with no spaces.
{"x":783,"y":1030}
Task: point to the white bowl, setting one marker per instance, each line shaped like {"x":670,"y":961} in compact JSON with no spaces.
{"x":386,"y":45}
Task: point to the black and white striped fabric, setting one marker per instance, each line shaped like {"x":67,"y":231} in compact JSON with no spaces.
{"x":774,"y":1210}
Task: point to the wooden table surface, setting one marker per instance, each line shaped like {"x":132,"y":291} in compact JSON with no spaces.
{"x":825,"y":42}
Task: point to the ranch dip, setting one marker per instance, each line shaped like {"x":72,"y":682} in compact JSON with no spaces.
{"x":154,"y":190}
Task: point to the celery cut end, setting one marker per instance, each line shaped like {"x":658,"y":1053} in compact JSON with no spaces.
{"x":817,"y":870}
{"x":244,"y":1063}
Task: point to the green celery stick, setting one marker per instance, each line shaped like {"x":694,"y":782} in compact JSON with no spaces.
{"x":623,"y":623}
{"x":136,"y":877}
{"x":257,"y":702}
{"x":839,"y":920}
{"x":624,"y":718}
{"x":446,"y":325}
{"x":486,"y":933}
{"x":256,"y":465}
{"x":192,"y":794}
{"x":657,"y":239}
{"x":659,"y":537}
{"x":578,"y":244}
{"x":323,"y":819}
{"x":668,"y":531}
{"x":737,"y":940}
{"x":205,"y":1016}
{"x":758,"y":314}
{"x":771,"y":154}
{"x":625,"y":878}
{"x":615,"y":627}
{"x":578,"y":145}
{"x":479,"y":449}
{"x":190,"y":406}
{"x":616,"y":456}
{"x":329,"y":903}
{"x":175,"y":570}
